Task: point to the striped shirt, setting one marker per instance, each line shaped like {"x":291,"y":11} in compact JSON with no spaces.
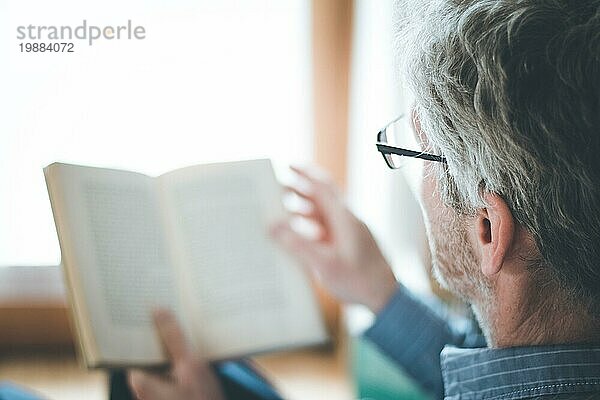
{"x":453,"y":363}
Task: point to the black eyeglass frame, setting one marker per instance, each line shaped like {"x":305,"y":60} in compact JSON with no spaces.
{"x":386,"y":150}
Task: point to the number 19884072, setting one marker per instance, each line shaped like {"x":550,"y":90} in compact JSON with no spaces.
{"x":47,"y":47}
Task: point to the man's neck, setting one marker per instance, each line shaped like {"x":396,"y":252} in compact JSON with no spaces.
{"x":527,"y":319}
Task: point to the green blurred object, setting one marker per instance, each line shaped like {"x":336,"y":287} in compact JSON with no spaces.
{"x":377,"y":377}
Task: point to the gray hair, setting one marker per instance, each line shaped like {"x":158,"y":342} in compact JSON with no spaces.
{"x":509,"y":92}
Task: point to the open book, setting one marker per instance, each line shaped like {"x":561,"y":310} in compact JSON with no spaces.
{"x":195,"y":241}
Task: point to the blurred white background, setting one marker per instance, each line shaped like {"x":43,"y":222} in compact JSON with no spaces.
{"x":212,"y":81}
{"x":378,"y":195}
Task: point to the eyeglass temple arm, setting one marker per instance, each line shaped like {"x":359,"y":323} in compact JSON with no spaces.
{"x":387,"y":149}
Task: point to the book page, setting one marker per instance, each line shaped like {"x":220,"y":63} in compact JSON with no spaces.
{"x":247,"y":296}
{"x":116,"y":257}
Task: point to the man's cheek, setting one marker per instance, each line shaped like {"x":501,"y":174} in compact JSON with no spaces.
{"x":430,"y":200}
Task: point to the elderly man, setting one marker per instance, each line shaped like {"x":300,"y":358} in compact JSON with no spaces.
{"x":507,"y":117}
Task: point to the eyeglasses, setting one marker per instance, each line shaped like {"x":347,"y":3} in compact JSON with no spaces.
{"x":400,"y":132}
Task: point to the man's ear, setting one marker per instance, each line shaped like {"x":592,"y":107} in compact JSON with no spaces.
{"x":495,"y":233}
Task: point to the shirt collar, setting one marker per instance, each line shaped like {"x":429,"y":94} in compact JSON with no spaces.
{"x":519,"y":372}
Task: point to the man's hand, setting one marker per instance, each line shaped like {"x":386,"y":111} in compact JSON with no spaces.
{"x":190,"y":378}
{"x":344,"y":257}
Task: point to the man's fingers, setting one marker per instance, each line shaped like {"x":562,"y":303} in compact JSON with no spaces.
{"x":305,"y":207}
{"x":321,"y":189}
{"x":312,"y":174}
{"x":300,"y":192}
{"x":190,"y":377}
{"x":171,"y":335}
{"x":306,"y":213}
{"x":147,"y":386}
{"x":310,"y":253}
